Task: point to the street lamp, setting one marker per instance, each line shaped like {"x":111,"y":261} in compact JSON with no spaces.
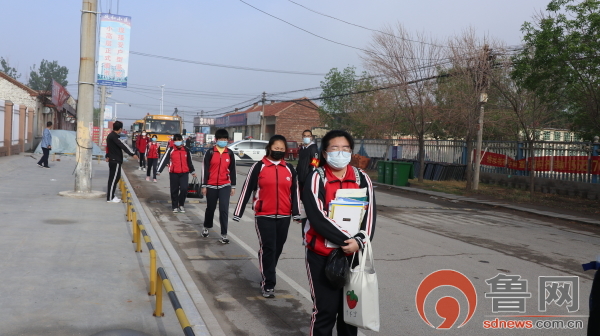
{"x":115,"y":116}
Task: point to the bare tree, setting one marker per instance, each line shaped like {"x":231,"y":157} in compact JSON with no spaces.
{"x":466,"y":87}
{"x":410,"y":64}
{"x":530,"y":111}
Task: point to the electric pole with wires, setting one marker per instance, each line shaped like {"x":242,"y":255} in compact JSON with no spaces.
{"x":262,"y":117}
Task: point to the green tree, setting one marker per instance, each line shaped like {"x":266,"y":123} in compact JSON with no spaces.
{"x":41,"y":79}
{"x":335,"y":111}
{"x":7,"y":69}
{"x":560,"y":61}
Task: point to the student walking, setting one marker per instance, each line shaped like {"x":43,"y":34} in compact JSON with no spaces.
{"x":142,"y":142}
{"x":152,"y":155}
{"x":218,"y":180}
{"x":276,"y":200}
{"x":46,"y":146}
{"x":180,"y":164}
{"x":321,"y":186}
{"x":114,"y":156}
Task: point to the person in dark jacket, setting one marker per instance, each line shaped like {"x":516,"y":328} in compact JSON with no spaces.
{"x":308,"y":157}
{"x":46,"y":146}
{"x":308,"y":160}
{"x":273,"y":182}
{"x":218,"y":178}
{"x":114,"y":156}
{"x":152,"y":154}
{"x":180,"y":164}
{"x":334,"y":173}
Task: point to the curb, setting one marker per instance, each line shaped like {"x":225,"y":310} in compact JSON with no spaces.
{"x":197,"y":310}
{"x":495,"y":204}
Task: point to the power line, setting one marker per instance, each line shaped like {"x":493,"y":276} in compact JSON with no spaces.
{"x":227,"y":66}
{"x":363,"y":27}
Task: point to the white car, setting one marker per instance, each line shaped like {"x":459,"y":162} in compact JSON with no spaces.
{"x":249,"y":150}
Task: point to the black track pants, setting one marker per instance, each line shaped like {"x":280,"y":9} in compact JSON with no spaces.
{"x":222,"y":196}
{"x":114,"y":175}
{"x":179,"y":186}
{"x":272,"y":234}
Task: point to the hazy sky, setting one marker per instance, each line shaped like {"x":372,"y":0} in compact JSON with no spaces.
{"x":232,"y":33}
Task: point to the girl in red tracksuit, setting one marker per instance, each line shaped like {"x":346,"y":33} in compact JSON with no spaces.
{"x":180,"y":164}
{"x":320,"y":188}
{"x":276,"y":199}
{"x":152,"y":155}
{"x":141,"y":144}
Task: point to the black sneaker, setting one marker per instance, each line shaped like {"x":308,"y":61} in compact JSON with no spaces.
{"x":268,"y":293}
{"x":205,"y":233}
{"x":224,"y":239}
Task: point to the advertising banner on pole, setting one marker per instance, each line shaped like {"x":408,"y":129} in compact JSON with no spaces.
{"x":113,"y":50}
{"x":107,"y":114}
{"x":59,"y":95}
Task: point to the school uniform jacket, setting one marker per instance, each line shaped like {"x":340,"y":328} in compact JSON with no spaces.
{"x":274,"y":189}
{"x":152,"y":150}
{"x":218,"y":170}
{"x":319,"y":190}
{"x":141,"y":144}
{"x":178,"y":159}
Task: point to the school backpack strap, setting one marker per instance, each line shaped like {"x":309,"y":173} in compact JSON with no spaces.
{"x":321,"y":172}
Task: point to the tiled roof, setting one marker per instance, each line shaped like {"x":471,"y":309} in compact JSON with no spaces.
{"x":15,"y":82}
{"x":272,"y":109}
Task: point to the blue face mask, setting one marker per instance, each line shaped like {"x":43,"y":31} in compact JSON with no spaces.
{"x":339,"y":159}
{"x":306,"y":140}
{"x":222,"y":143}
{"x":153,"y":139}
{"x":178,"y":143}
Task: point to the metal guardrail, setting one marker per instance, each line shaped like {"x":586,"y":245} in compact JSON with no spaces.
{"x":164,"y":281}
{"x":139,"y":231}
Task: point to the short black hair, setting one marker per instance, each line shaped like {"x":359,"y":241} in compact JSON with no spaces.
{"x":221,"y":134}
{"x":307,"y":130}
{"x":327,"y":138}
{"x":274,"y":138}
{"x":177,"y":137}
{"x":117,"y":125}
{"x":49,"y":123}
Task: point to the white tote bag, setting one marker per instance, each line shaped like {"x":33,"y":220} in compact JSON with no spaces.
{"x":361,"y":293}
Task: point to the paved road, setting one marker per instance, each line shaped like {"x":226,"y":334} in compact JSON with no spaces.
{"x":415,"y":236}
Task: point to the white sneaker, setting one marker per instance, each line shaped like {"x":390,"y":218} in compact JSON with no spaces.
{"x":147,"y":178}
{"x":181,"y":209}
{"x":115,"y":200}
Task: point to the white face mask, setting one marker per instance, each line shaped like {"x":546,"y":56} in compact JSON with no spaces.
{"x":339,"y":159}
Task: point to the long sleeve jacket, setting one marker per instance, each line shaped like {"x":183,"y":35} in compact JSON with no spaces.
{"x":115,"y":147}
{"x":178,"y":159}
{"x":46,"y":138}
{"x":307,"y":162}
{"x":218,"y":170}
{"x":319,"y":190}
{"x":274,"y":189}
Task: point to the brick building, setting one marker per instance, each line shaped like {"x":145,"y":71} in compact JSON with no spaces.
{"x":24,"y":113}
{"x":285,"y":118}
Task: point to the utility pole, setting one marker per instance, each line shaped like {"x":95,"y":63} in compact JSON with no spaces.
{"x":162,"y":95}
{"x":483,"y":97}
{"x":85,"y":102}
{"x":102,"y":103}
{"x":263,"y":121}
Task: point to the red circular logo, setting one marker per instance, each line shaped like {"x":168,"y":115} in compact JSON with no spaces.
{"x":446,"y":307}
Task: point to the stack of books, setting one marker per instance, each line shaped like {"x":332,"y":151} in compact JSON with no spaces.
{"x":348,"y":210}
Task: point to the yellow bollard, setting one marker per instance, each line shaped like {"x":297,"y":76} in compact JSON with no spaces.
{"x":158,"y":311}
{"x":128,"y":214}
{"x":152,"y":272}
{"x":134,"y":223}
{"x":140,"y":227}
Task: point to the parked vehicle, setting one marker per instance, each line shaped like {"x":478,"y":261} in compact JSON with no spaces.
{"x":292,"y":152}
{"x":249,"y":150}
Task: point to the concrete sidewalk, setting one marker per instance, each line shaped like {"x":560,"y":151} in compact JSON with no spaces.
{"x":69,"y":267}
